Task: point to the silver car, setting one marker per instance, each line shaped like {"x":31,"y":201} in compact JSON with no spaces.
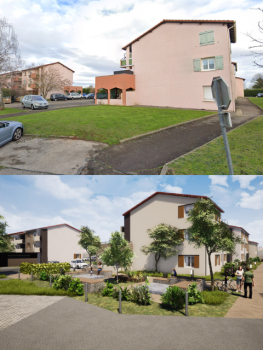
{"x":34,"y":102}
{"x":10,"y":131}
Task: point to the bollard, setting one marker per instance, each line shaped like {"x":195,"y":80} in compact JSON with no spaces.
{"x":19,"y":273}
{"x":31,"y":276}
{"x":186,"y":304}
{"x":50,"y":281}
{"x":86,"y":292}
{"x":119,"y":301}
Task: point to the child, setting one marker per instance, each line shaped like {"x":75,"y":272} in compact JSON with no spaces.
{"x":174,"y":274}
{"x":91,"y":272}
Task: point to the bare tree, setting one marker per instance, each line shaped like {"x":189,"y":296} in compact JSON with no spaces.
{"x":50,"y":79}
{"x":10,"y":59}
{"x":258,"y":43}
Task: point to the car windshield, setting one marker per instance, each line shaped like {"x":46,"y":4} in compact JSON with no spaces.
{"x":37,"y":98}
{"x":78,"y":261}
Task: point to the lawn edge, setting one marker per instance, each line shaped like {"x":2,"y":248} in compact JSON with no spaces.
{"x":254,"y":103}
{"x":166,"y":165}
{"x":165,"y":128}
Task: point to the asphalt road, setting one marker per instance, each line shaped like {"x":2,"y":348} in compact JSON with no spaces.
{"x":70,"y":324}
{"x":145,"y":155}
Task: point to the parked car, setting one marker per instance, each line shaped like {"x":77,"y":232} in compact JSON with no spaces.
{"x":74,"y":95}
{"x":259,"y":95}
{"x":10,"y":130}
{"x":57,"y":97}
{"x":34,"y":102}
{"x":78,"y":264}
{"x":53,"y":262}
{"x":91,"y":96}
{"x":84,"y":95}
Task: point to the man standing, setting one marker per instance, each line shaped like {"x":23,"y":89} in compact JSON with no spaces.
{"x":249,"y":282}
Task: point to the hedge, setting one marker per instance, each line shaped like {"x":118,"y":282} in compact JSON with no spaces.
{"x":27,"y":268}
{"x":252,"y":93}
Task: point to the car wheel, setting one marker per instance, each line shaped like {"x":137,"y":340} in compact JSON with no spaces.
{"x":23,"y":105}
{"x":32,"y":107}
{"x":17,"y":134}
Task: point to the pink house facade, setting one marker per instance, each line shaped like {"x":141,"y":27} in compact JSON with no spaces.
{"x":174,"y":63}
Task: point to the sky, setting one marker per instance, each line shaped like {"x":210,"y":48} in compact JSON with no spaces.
{"x":29,"y":202}
{"x":87,"y":35}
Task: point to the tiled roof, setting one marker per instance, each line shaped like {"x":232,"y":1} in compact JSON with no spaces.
{"x":240,"y":227}
{"x":252,"y":242}
{"x":16,"y":233}
{"x":171,"y":194}
{"x":231,"y":24}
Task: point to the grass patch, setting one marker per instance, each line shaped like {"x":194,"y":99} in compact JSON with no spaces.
{"x":25,"y":287}
{"x":10,"y":110}
{"x":245,"y":145}
{"x":3,"y":276}
{"x":108,"y":124}
{"x":258,"y":101}
{"x":214,"y":298}
{"x":129,"y":308}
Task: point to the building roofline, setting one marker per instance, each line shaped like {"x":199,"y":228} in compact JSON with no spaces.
{"x":252,"y":242}
{"x":16,"y":233}
{"x":32,"y":68}
{"x":172,"y":194}
{"x":230,"y":23}
{"x":240,"y":78}
{"x":240,"y":227}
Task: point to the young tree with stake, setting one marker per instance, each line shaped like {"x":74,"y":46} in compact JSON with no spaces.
{"x":89,"y":241}
{"x":209,"y":232}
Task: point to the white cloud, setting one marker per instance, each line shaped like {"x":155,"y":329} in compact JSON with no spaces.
{"x":233,"y":222}
{"x":255,"y":229}
{"x":254,"y":201}
{"x":261,"y":183}
{"x":219,"y":180}
{"x":172,"y":189}
{"x":244,"y":180}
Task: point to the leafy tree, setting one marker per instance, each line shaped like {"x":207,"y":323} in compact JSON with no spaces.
{"x":6,"y":244}
{"x":89,"y":241}
{"x":165,"y":239}
{"x":210,"y":233}
{"x":257,"y":81}
{"x":118,"y":253}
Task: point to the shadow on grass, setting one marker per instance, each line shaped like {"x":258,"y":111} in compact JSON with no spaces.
{"x":168,"y":308}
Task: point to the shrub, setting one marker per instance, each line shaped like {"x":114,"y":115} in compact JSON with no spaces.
{"x":76,"y":286}
{"x":108,"y":290}
{"x":43,"y":276}
{"x":27,"y":268}
{"x":141,"y":295}
{"x":215,"y":297}
{"x":194,"y":295}
{"x":252,"y":93}
{"x":174,"y":297}
{"x":3,"y":276}
{"x":62,"y":282}
{"x":125,"y":293}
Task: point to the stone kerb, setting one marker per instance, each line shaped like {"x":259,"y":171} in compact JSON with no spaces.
{"x":93,"y":285}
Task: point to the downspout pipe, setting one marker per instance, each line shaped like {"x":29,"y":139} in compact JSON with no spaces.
{"x":231,"y":68}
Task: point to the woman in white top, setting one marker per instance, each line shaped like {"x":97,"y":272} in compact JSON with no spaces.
{"x":239,"y":273}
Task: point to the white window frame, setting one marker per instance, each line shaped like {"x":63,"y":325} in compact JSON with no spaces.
{"x":192,"y":260}
{"x":208,"y":69}
{"x":188,"y":205}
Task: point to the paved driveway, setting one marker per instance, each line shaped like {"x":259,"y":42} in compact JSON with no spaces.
{"x":63,"y":156}
{"x":70,"y":324}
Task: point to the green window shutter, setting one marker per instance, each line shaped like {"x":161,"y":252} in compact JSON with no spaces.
{"x":219,"y":62}
{"x":197,"y":65}
{"x":202,"y":38}
{"x":210,"y":37}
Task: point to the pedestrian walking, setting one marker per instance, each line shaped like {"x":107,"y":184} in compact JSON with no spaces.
{"x":249,"y":282}
{"x":239,"y":273}
{"x":99,"y":268}
{"x":91,"y":272}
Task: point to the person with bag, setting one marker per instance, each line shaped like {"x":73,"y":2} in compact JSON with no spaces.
{"x":239,"y":273}
{"x":249,"y":282}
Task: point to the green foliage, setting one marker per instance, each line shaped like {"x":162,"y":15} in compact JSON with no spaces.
{"x":76,"y":287}
{"x":230,"y":269}
{"x":63,"y":282}
{"x":108,"y":290}
{"x":130,"y":273}
{"x":27,"y":268}
{"x":174,"y":297}
{"x":215,"y":297}
{"x":252,"y":93}
{"x":6,"y":244}
{"x":43,"y":276}
{"x":3,"y":276}
{"x":94,"y":263}
{"x":89,"y":241}
{"x":125,"y":293}
{"x":86,"y":90}
{"x":118,"y":251}
{"x":141,"y":295}
{"x":194,"y":295}
{"x":165,"y":239}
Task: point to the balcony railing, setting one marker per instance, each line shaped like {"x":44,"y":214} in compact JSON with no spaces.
{"x":36,"y":249}
{"x":34,"y":75}
{"x":36,"y":238}
{"x":33,"y":86}
{"x":18,"y":241}
{"x":19,"y":250}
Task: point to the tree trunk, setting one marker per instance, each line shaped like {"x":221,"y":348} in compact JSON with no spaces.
{"x":211,"y":270}
{"x":2,"y":107}
{"x":90,"y":259}
{"x":157,"y":258}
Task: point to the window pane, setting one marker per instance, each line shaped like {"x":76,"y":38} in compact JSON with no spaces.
{"x":187,"y":208}
{"x":192,"y":261}
{"x":211,"y":63}
{"x":208,"y":93}
{"x":205,"y":64}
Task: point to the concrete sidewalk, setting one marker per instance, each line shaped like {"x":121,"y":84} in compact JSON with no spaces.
{"x":70,"y":324}
{"x":250,"y":308}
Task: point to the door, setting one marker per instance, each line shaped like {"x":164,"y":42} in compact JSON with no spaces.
{"x":5,"y":133}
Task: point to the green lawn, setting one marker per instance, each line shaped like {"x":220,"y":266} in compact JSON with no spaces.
{"x":245,"y":145}
{"x":257,"y":101}
{"x":202,"y":310}
{"x":10,"y":110}
{"x":108,"y":124}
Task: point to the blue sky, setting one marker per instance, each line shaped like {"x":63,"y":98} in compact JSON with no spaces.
{"x":29,"y":202}
{"x":87,"y":35}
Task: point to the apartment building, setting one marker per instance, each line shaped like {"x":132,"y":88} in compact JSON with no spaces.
{"x":28,"y":80}
{"x":171,"y":209}
{"x":253,"y":249}
{"x":173,"y":64}
{"x":57,"y":242}
{"x":242,"y":250}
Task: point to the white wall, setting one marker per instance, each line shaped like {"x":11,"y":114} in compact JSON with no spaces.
{"x":63,"y":244}
{"x":130,"y":98}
